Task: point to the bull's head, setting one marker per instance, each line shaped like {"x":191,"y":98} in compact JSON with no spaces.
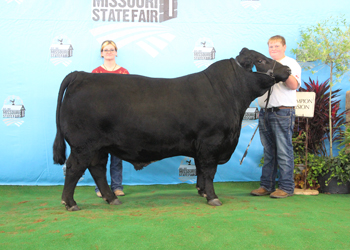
{"x":249,"y":58}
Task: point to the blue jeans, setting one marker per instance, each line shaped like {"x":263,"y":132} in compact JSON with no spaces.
{"x":276,"y":136}
{"x":116,"y":171}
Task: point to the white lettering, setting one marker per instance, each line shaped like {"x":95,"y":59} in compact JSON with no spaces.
{"x":128,"y":10}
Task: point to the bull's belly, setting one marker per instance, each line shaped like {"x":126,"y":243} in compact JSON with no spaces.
{"x":222,"y":153}
{"x":148,"y":153}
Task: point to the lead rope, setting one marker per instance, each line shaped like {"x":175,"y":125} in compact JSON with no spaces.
{"x":256,"y":129}
{"x":267,"y":102}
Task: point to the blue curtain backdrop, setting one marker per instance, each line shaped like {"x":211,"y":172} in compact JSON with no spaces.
{"x":42,"y":41}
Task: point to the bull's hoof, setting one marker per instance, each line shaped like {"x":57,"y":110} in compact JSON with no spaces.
{"x":115,"y":202}
{"x":73,"y":208}
{"x":215,"y":202}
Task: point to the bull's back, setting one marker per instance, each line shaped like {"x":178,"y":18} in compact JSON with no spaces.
{"x":151,"y":116}
{"x":145,"y":99}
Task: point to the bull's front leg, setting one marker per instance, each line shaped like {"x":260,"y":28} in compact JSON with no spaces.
{"x":208,"y":168}
{"x":212,"y":198}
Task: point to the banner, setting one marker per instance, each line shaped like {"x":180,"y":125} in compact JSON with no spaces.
{"x":43,"y":41}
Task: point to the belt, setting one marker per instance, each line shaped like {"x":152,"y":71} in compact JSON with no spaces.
{"x":274,"y":109}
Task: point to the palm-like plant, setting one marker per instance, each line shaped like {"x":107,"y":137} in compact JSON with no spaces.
{"x":319,"y":124}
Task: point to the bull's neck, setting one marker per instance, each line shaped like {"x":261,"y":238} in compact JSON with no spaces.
{"x":249,"y":87}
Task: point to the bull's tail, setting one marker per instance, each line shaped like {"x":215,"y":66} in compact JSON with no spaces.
{"x":59,"y":145}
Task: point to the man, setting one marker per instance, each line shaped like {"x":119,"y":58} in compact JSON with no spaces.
{"x":276,"y":127}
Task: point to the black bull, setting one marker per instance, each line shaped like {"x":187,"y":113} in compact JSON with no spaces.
{"x":141,"y":119}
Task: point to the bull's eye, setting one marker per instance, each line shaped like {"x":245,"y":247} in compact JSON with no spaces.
{"x":260,"y":61}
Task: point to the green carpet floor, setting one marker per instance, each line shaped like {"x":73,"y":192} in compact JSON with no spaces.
{"x":172,"y":217}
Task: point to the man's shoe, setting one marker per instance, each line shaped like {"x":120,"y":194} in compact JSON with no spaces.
{"x":119,"y":192}
{"x":260,"y":192}
{"x":280,"y":194}
{"x":99,"y":194}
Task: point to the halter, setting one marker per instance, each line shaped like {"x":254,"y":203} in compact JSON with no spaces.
{"x":269,"y":72}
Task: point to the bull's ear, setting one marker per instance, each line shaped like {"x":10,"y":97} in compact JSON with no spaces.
{"x":244,"y":49}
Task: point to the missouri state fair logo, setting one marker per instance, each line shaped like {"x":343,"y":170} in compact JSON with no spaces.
{"x":61,"y":50}
{"x":135,"y":22}
{"x":204,"y":52}
{"x":150,"y":11}
{"x":13,"y":111}
{"x":187,"y":170}
{"x":251,"y":3}
{"x":251,"y":116}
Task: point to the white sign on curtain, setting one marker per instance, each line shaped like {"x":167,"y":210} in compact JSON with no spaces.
{"x":305,"y":104}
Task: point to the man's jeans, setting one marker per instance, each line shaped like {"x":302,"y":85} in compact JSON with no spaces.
{"x":116,"y":171}
{"x":276,"y":132}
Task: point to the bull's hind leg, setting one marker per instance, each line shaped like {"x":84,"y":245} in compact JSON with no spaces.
{"x":208,"y":168}
{"x":200,"y":180}
{"x":74,"y":171}
{"x":98,"y":172}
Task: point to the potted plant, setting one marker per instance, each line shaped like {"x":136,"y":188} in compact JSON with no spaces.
{"x":330,"y":174}
{"x":326,"y":174}
{"x":317,"y":133}
{"x":334,"y":176}
{"x":319,"y":123}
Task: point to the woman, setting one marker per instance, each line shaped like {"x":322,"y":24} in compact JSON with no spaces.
{"x":109,"y":53}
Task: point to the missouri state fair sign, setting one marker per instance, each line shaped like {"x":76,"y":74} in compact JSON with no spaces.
{"x":149,"y":11}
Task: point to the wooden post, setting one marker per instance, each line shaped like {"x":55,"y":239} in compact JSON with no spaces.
{"x":306,"y":147}
{"x":305,"y":108}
